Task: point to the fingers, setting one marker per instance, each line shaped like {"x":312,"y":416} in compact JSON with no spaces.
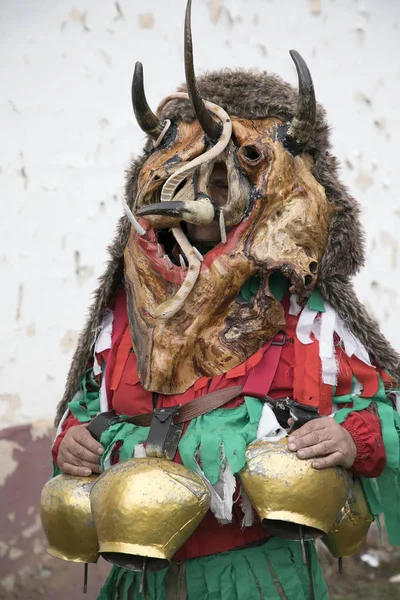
{"x":333,"y":460}
{"x":79,"y":453}
{"x":82,"y":453}
{"x":68,"y":457}
{"x":83,"y":437}
{"x":69,"y":469}
{"x":314,"y":432}
{"x":310,"y":427}
{"x":309,"y":439}
{"x":322,"y":449}
{"x":326,"y":441}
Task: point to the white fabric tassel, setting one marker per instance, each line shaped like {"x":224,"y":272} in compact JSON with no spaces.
{"x":139,"y":451}
{"x":247,"y":510}
{"x":327,"y":347}
{"x":103,"y":394}
{"x":305,"y":325}
{"x":222,"y":492}
{"x":107,"y":459}
{"x":295,"y":307}
{"x":324,"y":326}
{"x":103,"y":338}
{"x":268,"y":427}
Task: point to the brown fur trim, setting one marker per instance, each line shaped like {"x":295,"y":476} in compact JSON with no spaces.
{"x":256,"y":95}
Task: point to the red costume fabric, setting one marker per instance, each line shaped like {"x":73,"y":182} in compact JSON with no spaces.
{"x":297,"y":376}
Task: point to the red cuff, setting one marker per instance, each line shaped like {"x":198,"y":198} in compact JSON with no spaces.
{"x":69,"y":422}
{"x":364,"y":427}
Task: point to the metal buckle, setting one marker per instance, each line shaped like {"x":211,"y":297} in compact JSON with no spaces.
{"x":283,"y":342}
{"x":164,"y":434}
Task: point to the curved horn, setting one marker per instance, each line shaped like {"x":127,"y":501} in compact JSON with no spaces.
{"x":210,"y":127}
{"x":198,"y":212}
{"x":145,"y":117}
{"x":303,"y":121}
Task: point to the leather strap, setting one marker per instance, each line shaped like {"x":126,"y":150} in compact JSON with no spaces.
{"x":194,"y":408}
{"x":102,"y":422}
{"x":187,"y":412}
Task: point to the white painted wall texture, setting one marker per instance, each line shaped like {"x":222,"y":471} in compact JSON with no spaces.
{"x":67,"y":134}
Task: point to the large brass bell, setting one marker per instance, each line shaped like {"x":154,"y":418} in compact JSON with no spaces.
{"x":67,"y":518}
{"x":349,"y":533}
{"x":287,"y":492}
{"x":145,"y":509}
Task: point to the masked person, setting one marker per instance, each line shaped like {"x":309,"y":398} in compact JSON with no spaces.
{"x":231,"y":270}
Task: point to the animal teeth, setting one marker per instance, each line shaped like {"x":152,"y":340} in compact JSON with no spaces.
{"x":139,"y":229}
{"x":222,"y":227}
{"x":169,"y":262}
{"x":182,"y":261}
{"x":198,"y":254}
{"x":160,"y":251}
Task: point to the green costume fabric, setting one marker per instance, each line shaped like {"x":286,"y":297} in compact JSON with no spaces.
{"x":86,"y":403}
{"x":128,"y":435}
{"x":272,"y":571}
{"x":222,"y":434}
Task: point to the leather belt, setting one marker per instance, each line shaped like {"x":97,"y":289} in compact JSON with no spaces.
{"x":186,"y":412}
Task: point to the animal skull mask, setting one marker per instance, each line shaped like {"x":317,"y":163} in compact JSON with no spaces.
{"x":187,"y":316}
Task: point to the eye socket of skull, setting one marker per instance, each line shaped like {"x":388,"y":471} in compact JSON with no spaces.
{"x":218,"y":184}
{"x":251,"y":154}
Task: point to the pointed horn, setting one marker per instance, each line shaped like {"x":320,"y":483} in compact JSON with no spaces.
{"x":304,"y":120}
{"x":198,"y":212}
{"x":210,"y":127}
{"x":145,"y":117}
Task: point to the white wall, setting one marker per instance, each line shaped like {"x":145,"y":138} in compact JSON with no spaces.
{"x":67,"y":133}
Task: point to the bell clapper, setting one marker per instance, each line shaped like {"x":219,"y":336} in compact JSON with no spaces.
{"x":340,"y":565}
{"x":85,"y":577}
{"x":143,"y":577}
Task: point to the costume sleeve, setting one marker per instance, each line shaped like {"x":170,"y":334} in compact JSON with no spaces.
{"x":83,"y":407}
{"x":69,"y":422}
{"x":365,"y":428}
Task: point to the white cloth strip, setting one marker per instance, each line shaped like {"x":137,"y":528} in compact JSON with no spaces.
{"x":103,"y":394}
{"x":305,"y":325}
{"x":247,"y":509}
{"x":139,"y":451}
{"x":295,"y":307}
{"x":324,"y":326}
{"x":268,"y":427}
{"x":103,"y":338}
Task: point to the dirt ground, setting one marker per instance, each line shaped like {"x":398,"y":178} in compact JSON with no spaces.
{"x":359,"y":580}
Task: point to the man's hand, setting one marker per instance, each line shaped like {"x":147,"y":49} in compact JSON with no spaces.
{"x":325,"y":440}
{"x":79,"y":453}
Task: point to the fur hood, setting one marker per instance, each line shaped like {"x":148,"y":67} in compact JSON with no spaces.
{"x":252,"y":95}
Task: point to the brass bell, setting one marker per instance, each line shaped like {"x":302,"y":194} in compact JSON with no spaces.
{"x":145,"y":509}
{"x":349,"y":533}
{"x":287,"y":492}
{"x":67,"y":518}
